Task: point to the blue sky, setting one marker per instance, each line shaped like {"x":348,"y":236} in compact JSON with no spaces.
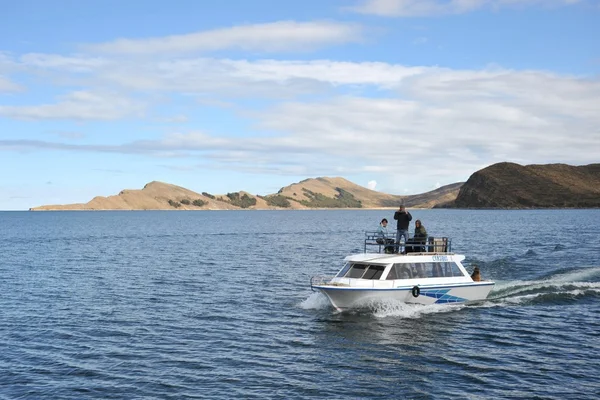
{"x":401,"y":96}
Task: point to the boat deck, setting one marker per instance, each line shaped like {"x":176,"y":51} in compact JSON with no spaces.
{"x":374,"y":243}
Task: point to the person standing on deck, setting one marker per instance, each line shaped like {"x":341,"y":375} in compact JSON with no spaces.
{"x":403,"y":217}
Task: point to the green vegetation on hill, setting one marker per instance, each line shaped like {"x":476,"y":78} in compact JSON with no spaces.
{"x":277,"y":201}
{"x":199,"y":203}
{"x":243,"y":201}
{"x":210,"y":196}
{"x":343,"y":199}
{"x":175,"y":204}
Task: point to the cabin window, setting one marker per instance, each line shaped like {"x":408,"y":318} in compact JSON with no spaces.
{"x":419,"y":270}
{"x":344,"y":270}
{"x":400,"y":271}
{"x":445,"y":269}
{"x":423,"y":270}
{"x":356,"y":270}
{"x":392,"y":275}
{"x":374,"y":272}
{"x":451,"y":269}
{"x":436,"y":270}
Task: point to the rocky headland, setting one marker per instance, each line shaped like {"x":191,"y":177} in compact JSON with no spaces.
{"x":513,"y":186}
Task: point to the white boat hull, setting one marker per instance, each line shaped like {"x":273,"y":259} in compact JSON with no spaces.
{"x":344,"y":298}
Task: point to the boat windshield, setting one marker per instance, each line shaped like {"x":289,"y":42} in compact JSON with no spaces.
{"x":424,"y":270}
{"x":362,"y":271}
{"x":344,"y":270}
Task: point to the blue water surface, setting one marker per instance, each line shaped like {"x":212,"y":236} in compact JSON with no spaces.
{"x":217,"y":305}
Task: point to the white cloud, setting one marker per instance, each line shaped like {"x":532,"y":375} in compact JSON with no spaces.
{"x":75,"y":63}
{"x":79,"y":105}
{"x":8,"y":86}
{"x":68,"y":134}
{"x":372,"y":185}
{"x":420,"y":8}
{"x":262,"y":78}
{"x":175,"y":119}
{"x":269,"y":37}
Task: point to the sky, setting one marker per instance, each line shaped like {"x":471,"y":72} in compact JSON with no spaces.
{"x":401,"y":96}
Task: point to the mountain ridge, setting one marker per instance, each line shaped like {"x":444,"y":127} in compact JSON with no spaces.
{"x":503,"y":185}
{"x":321,"y":192}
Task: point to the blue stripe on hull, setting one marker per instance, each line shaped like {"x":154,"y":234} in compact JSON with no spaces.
{"x":442,"y":296}
{"x":423,"y":287}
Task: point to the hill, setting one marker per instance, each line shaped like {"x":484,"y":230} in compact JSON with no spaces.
{"x":513,"y":186}
{"x":340,"y":193}
{"x":154,"y":196}
{"x":309,"y":193}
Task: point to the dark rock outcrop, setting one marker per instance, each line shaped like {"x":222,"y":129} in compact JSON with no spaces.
{"x":513,"y":186}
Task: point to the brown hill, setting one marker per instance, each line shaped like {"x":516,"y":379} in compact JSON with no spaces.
{"x":513,"y":186}
{"x":340,"y":193}
{"x":310,"y":193}
{"x":154,"y":196}
{"x":438,"y":196}
{"x":329,"y":187}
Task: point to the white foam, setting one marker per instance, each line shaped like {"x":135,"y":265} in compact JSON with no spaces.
{"x":316,"y":301}
{"x":520,"y":292}
{"x":410,"y":311}
{"x":558,"y":284}
{"x":581,"y":275}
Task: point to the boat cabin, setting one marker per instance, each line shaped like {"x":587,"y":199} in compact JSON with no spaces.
{"x":401,"y":270}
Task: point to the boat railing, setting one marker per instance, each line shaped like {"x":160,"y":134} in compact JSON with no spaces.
{"x":376,"y":243}
{"x":320,"y":280}
{"x":328,"y":280}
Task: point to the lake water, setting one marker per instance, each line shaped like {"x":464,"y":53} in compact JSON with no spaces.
{"x":217,"y":305}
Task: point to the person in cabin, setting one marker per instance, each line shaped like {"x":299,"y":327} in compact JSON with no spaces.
{"x":403,"y":217}
{"x":476,"y":275}
{"x":383,"y":236}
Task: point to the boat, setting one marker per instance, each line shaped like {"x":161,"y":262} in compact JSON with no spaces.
{"x":425,"y":272}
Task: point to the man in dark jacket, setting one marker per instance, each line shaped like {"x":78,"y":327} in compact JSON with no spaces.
{"x":403,"y":217}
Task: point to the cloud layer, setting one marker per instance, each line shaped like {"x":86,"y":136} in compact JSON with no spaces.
{"x":310,"y":117}
{"x":271,"y":37}
{"x":424,"y":8}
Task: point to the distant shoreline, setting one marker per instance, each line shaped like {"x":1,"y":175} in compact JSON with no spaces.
{"x":312,"y":209}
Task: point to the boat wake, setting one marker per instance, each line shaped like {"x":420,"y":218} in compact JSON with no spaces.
{"x":560,"y":287}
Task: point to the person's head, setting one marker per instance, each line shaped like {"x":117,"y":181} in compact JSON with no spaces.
{"x":401,"y":208}
{"x":418,"y":223}
{"x":384,"y":222}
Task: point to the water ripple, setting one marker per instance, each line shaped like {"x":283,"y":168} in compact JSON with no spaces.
{"x":217,"y":305}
